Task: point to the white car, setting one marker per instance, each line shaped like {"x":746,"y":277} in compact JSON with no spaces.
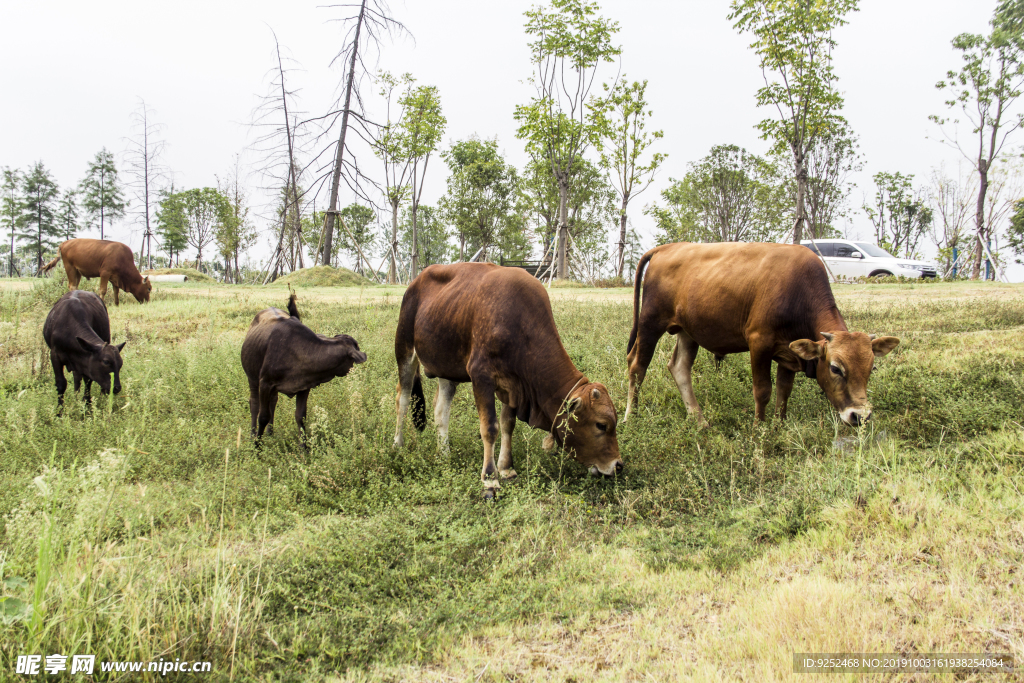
{"x":849,"y":260}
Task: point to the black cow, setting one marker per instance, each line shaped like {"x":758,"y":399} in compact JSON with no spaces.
{"x":281,"y":354}
{"x":77,"y":330}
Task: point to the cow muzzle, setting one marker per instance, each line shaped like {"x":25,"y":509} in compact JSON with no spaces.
{"x":855,"y":417}
{"x":609,"y":469}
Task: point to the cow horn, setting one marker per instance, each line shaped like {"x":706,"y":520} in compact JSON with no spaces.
{"x":872,"y":337}
{"x":595,"y":394}
{"x":827,"y":336}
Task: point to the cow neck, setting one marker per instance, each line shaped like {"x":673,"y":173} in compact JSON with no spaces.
{"x":555,"y":393}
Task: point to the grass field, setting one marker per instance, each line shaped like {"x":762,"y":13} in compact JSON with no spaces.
{"x":150,"y":528}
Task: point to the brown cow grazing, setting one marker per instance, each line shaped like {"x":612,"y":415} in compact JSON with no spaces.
{"x":493,"y":326}
{"x":773,"y":300}
{"x":77,"y":331}
{"x":111,"y":262}
{"x":280,"y":354}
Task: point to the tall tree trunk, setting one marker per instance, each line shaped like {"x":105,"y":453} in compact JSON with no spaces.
{"x":622,"y":237}
{"x":393,"y":274}
{"x":980,"y":217}
{"x":336,"y":177}
{"x":563,"y":226}
{"x":801,"y":193}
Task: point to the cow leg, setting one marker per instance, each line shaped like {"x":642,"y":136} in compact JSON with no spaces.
{"x":117,"y":301}
{"x":508,"y":423}
{"x":783,"y":386}
{"x":680,"y":366}
{"x":87,"y":394}
{"x":268,"y":401}
{"x":254,"y":406}
{"x":483,"y":392}
{"x":300,"y":414}
{"x":443,"y":407}
{"x":639,"y":358}
{"x":103,"y":287}
{"x":273,"y":412}
{"x":73,"y":276}
{"x":761,"y":369}
{"x":406,"y":374}
{"x":60,"y":379}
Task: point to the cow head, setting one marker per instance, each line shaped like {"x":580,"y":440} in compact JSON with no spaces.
{"x":844,"y":361}
{"x":142,"y":291}
{"x":103,"y":359}
{"x":588,"y":429}
{"x":347,"y":353}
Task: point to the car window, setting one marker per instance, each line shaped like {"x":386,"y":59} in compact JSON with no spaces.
{"x":826,"y":248}
{"x":872,"y":250}
{"x":813,"y":248}
{"x":845,"y":251}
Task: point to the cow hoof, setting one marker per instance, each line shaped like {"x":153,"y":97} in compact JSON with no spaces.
{"x":490,"y":494}
{"x":508,"y":475}
{"x":549,"y":442}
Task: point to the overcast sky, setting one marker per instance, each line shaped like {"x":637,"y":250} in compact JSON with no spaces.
{"x":73,"y":72}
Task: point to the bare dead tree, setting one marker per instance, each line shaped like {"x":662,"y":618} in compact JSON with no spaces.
{"x":367,"y":23}
{"x":145,"y":171}
{"x":277,"y":117}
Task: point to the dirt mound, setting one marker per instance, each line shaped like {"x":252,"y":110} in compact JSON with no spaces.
{"x":324,"y":276}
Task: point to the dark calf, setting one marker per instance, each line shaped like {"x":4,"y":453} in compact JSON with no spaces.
{"x":77,"y":330}
{"x":280,"y":354}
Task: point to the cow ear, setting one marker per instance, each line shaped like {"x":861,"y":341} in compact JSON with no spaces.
{"x":120,"y":347}
{"x":572,"y":404}
{"x":357,"y":356}
{"x":807,"y":349}
{"x":881,"y":346}
{"x":88,"y":347}
{"x":146,"y":279}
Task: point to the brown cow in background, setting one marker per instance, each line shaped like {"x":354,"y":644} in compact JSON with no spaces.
{"x":110,"y":261}
{"x":773,"y":300}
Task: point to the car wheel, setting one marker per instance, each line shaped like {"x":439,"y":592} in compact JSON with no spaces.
{"x":880,"y":273}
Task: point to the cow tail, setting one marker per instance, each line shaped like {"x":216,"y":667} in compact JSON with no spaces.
{"x":636,"y":296}
{"x":293,"y":310}
{"x":419,"y":403}
{"x":49,"y":266}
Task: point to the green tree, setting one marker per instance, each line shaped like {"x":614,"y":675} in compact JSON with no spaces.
{"x":10,"y":209}
{"x":589,"y":205}
{"x":832,"y":158}
{"x":432,"y":236}
{"x":569,"y":42}
{"x":235,"y":232}
{"x":899,"y":214}
{"x":622,"y":117}
{"x":728,"y":196}
{"x":205,"y":210}
{"x":480,"y":202}
{"x":390,"y":146}
{"x":985,"y":91}
{"x":423,"y":126}
{"x":39,"y":226}
{"x":67,"y":214}
{"x":360,"y":221}
{"x":794,"y":40}
{"x":172,"y":224}
{"x":102,"y":197}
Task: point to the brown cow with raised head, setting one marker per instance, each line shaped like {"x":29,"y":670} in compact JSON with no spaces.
{"x":773,"y":300}
{"x":110,"y":261}
{"x":493,"y":326}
